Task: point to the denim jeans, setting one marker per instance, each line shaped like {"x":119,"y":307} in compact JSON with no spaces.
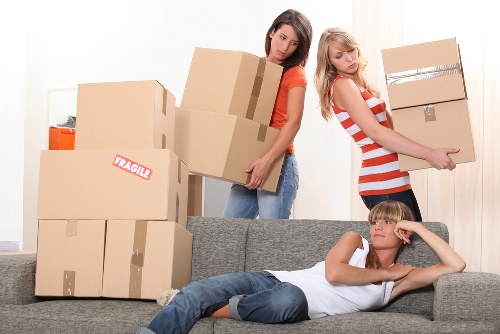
{"x":252,"y":296}
{"x":407,"y":197}
{"x":246,"y":203}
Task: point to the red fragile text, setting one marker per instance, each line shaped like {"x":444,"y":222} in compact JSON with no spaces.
{"x":132,"y":167}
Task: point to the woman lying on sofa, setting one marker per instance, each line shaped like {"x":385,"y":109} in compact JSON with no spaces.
{"x":355,"y":276}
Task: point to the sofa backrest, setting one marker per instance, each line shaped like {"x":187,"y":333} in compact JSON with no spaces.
{"x":222,"y":245}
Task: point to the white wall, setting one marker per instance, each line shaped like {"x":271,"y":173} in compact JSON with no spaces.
{"x":12,"y":88}
{"x":65,"y":43}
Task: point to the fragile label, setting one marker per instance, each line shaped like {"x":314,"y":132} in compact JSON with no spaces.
{"x":132,"y":167}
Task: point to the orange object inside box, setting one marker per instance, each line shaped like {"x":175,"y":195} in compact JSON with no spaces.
{"x":61,"y":139}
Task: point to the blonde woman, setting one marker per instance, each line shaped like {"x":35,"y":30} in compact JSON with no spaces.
{"x":345,"y":92}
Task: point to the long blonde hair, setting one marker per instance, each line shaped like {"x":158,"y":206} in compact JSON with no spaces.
{"x":326,"y":72}
{"x":387,"y":210}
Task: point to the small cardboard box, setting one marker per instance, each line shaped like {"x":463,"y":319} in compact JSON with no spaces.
{"x":144,"y":258}
{"x":61,"y":139}
{"x":134,"y":114}
{"x":223,"y":146}
{"x":424,"y":73}
{"x":232,"y":83}
{"x":69,"y":258}
{"x":147,"y":184}
{"x":428,"y":98}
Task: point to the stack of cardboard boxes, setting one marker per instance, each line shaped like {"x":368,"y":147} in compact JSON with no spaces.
{"x":426,"y":88}
{"x":113,"y":212}
{"x":222,"y":124}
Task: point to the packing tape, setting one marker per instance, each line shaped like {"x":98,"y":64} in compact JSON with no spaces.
{"x":262,"y":133}
{"x":164,"y":106}
{"x":423,"y":73}
{"x":71,"y":228}
{"x":429,"y":113}
{"x":257,"y":85}
{"x":137,"y":259}
{"x":69,"y":283}
{"x":261,"y":136}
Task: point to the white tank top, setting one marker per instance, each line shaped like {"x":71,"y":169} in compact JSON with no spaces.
{"x":325,"y":298}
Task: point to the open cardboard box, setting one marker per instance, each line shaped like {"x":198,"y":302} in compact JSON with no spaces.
{"x":428,"y":99}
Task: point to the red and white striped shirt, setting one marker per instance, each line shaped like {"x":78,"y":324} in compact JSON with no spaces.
{"x":379,"y":174}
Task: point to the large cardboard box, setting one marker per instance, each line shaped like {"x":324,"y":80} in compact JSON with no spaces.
{"x":223,"y":146}
{"x":147,"y":184}
{"x":428,"y":98}
{"x":450,"y":128}
{"x":145,"y":257}
{"x":134,"y":114}
{"x":232,"y":83}
{"x":69,"y":258}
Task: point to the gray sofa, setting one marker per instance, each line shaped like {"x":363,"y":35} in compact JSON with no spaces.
{"x":458,"y":303}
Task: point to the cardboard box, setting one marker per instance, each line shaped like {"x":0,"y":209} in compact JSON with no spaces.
{"x":113,"y":184}
{"x":69,"y":258}
{"x":61,"y":139}
{"x":424,"y":73}
{"x":134,"y":114}
{"x":145,"y":257}
{"x":223,"y":146}
{"x":232,"y":83}
{"x":428,"y":98}
{"x":449,"y":128}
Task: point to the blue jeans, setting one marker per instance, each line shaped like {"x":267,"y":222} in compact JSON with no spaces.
{"x":407,"y":197}
{"x":252,"y":296}
{"x":245,"y":203}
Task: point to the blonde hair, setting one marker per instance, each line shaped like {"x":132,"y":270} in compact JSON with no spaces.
{"x":326,"y":72}
{"x":387,"y":210}
{"x":390,"y":210}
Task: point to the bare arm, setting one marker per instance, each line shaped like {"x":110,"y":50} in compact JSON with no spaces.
{"x":295,"y":109}
{"x":346,"y":95}
{"x":449,"y":260}
{"x":339,"y":271}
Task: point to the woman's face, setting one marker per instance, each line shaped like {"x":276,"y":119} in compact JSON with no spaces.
{"x":382,"y":234}
{"x":345,"y":61}
{"x":284,"y":42}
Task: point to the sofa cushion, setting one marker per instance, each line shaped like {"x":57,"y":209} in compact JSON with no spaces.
{"x":358,"y":323}
{"x":18,"y":279}
{"x":218,"y":245}
{"x":84,"y":316}
{"x":78,"y":316}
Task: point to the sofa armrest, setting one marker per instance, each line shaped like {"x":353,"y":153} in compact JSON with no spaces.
{"x":17,"y":279}
{"x":473,"y":296}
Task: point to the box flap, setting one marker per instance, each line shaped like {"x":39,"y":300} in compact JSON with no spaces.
{"x":423,"y":73}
